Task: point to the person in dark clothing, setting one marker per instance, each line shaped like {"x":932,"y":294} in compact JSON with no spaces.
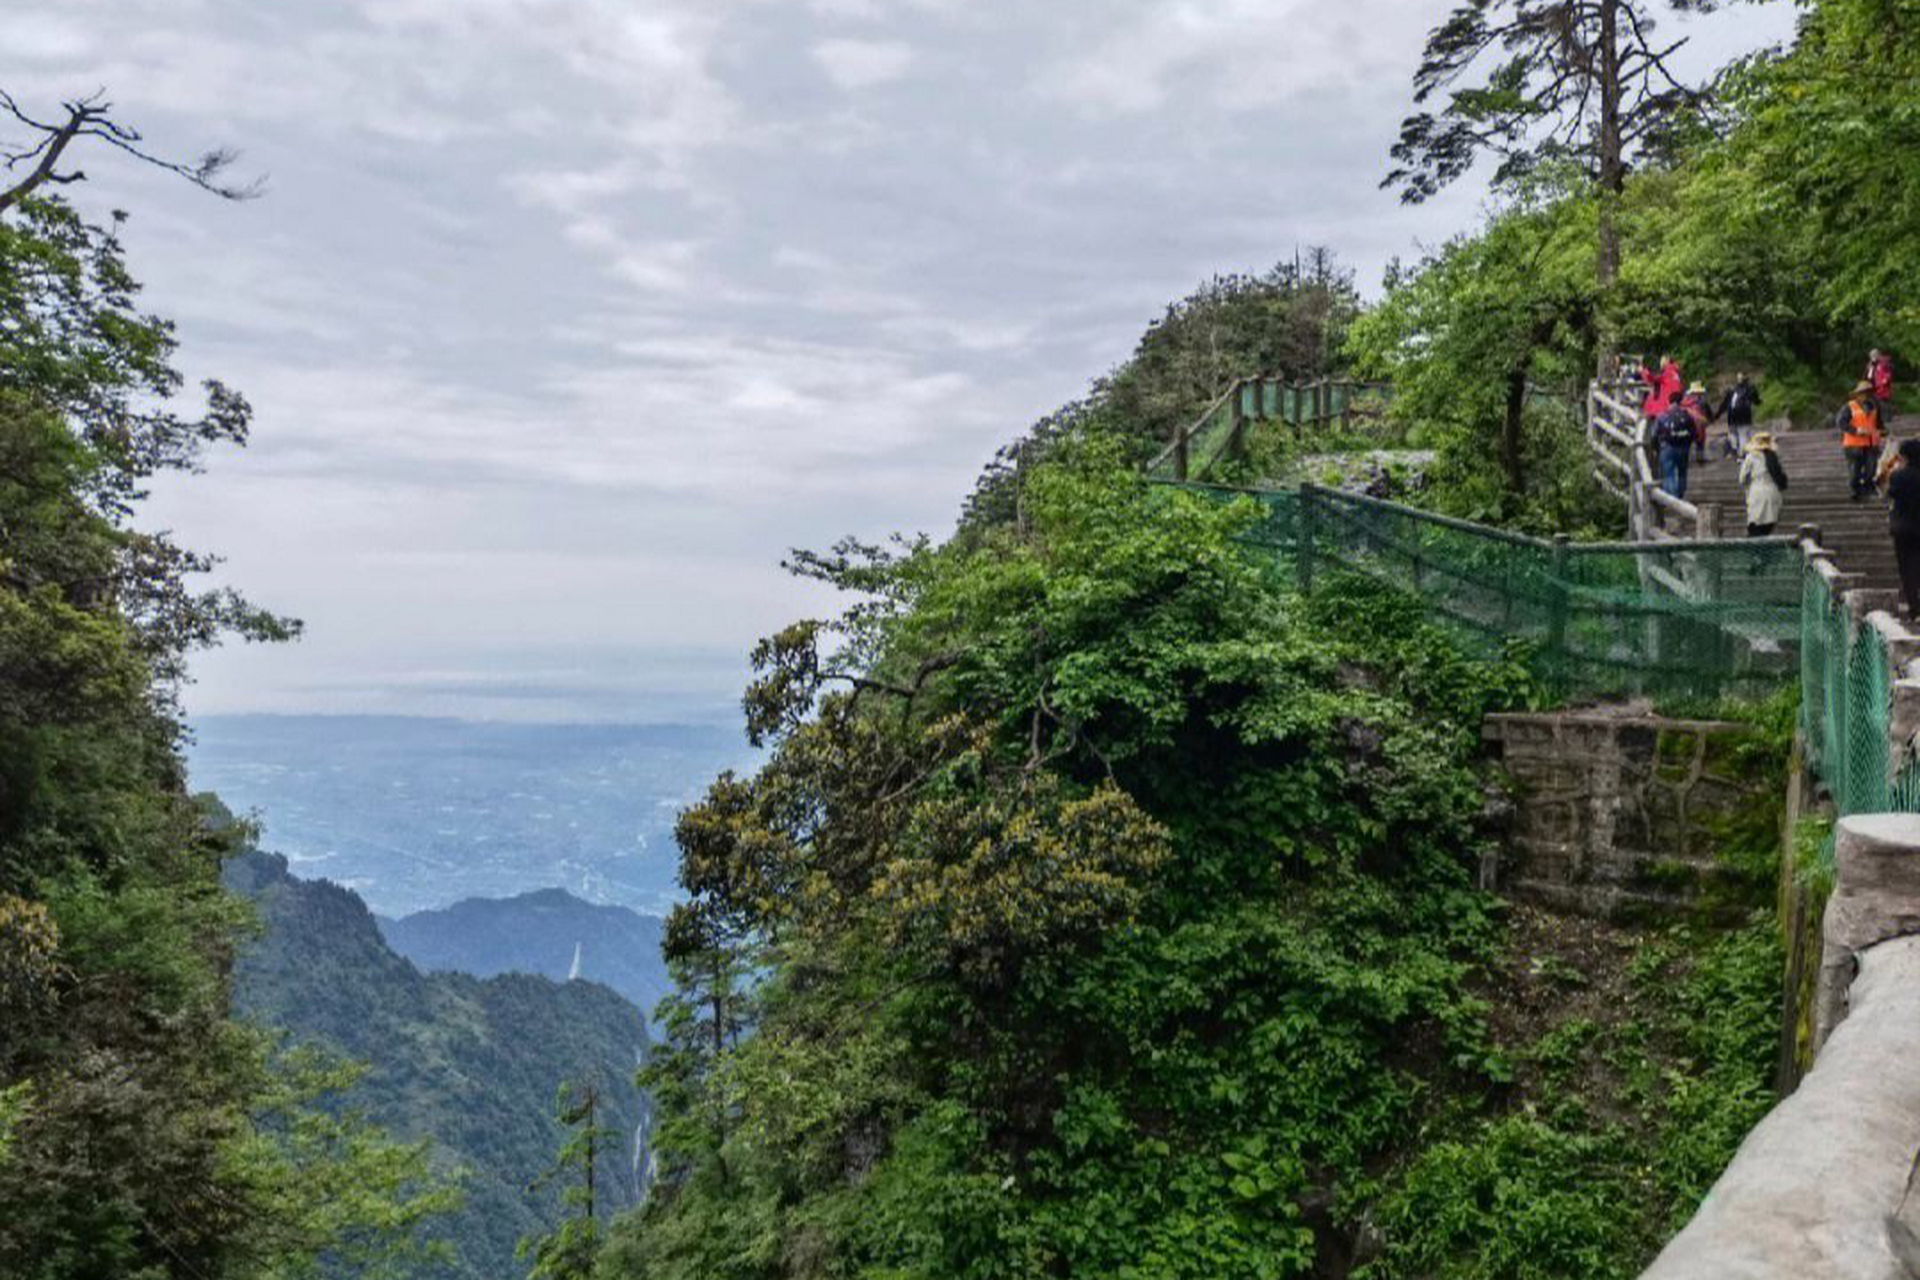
{"x":1903,"y":522}
{"x":1700,"y":409}
{"x":1673,"y":436}
{"x":1742,"y":399}
{"x":1861,"y":433}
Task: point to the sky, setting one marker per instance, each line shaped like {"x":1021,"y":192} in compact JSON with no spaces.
{"x":563,"y":320}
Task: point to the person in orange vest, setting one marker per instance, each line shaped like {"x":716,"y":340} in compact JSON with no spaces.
{"x":1860,"y":435}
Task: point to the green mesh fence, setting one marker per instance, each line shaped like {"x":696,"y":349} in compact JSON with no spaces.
{"x":1221,"y":432}
{"x":1846,"y":706}
{"x":1595,"y":619}
{"x":1610,"y":619}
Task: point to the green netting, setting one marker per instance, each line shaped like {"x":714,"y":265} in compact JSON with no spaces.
{"x":1846,"y":707}
{"x":1609,"y":619}
{"x":1215,"y":436}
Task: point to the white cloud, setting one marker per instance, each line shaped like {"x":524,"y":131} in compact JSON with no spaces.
{"x":861,"y":64}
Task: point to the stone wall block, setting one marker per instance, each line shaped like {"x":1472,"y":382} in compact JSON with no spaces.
{"x":1819,"y":1189}
{"x":1876,"y":897}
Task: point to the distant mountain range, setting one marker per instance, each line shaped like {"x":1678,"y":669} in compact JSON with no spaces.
{"x":414,"y":814}
{"x":549,"y":932}
{"x":471,"y":1063}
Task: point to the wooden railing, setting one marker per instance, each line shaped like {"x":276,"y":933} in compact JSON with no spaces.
{"x":1220,"y":432}
{"x":1617,"y":434}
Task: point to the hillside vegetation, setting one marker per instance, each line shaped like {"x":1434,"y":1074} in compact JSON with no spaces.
{"x":546,"y":932}
{"x":470,"y":1065}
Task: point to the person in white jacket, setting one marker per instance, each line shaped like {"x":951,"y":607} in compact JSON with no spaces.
{"x":1765,"y":483}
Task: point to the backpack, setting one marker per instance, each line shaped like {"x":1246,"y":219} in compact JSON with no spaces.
{"x":1775,"y":470}
{"x":1674,"y":427}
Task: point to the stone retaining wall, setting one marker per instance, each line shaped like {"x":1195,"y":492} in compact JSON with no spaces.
{"x":1622,"y":815}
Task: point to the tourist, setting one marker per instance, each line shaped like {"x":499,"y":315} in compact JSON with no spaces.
{"x":1742,"y":399}
{"x":1903,"y":522}
{"x":1765,"y":483}
{"x":1673,"y":437}
{"x":1701,"y":412}
{"x":1663,"y":388}
{"x":1880,"y":375}
{"x":1860,"y":433}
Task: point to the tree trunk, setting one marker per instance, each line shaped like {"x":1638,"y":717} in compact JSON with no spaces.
{"x":1611,"y":175}
{"x":1510,"y":429}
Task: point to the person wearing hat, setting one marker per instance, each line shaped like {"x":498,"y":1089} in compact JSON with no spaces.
{"x":1764,"y":481}
{"x":1860,"y":435}
{"x":1701,"y":413}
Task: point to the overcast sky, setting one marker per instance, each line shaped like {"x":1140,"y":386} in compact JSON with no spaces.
{"x":564,"y":319}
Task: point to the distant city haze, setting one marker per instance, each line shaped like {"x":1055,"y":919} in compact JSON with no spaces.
{"x":416,"y":813}
{"x":565,"y":319}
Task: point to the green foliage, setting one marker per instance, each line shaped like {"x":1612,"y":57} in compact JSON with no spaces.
{"x":146,"y":1133}
{"x":467,"y":1064}
{"x":567,"y":1251}
{"x":1479,"y":340}
{"x":1290,"y":321}
{"x":1088,"y":920}
{"x":1623,"y":1124}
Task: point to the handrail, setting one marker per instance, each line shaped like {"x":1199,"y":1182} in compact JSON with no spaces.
{"x":1430,"y":517}
{"x":1254,"y":407}
{"x":1612,"y":420}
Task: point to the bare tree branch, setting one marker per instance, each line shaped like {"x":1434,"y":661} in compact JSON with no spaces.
{"x":92,"y":117}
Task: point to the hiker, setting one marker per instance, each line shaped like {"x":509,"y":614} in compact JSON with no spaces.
{"x":1742,"y":399}
{"x":1860,"y":432}
{"x":1880,"y":375}
{"x":1663,"y":388}
{"x":1673,"y":436}
{"x":1701,"y":412}
{"x":1765,"y":483}
{"x":1903,"y":522}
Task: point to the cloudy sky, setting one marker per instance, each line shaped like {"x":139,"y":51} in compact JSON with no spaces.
{"x":564,"y":319}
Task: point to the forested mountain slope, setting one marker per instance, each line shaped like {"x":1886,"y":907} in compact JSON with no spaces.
{"x":472,"y":1064}
{"x":544,"y":933}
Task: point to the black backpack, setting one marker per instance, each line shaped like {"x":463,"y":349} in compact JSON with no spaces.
{"x":1774,"y":469}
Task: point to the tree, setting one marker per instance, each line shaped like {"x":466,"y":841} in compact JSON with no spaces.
{"x":1467,"y":337}
{"x":1566,"y":81}
{"x":146,"y":1132}
{"x":1823,"y":156}
{"x":92,"y":118}
{"x":567,"y":1252}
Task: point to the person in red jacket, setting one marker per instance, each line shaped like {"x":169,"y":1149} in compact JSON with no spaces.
{"x":1880,"y":375}
{"x":1663,"y":388}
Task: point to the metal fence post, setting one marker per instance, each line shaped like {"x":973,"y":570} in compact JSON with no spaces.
{"x":1304,"y":549}
{"x":1559,"y":604}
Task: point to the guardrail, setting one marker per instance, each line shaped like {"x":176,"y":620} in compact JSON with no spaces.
{"x":1220,"y":432}
{"x":1618,"y":435}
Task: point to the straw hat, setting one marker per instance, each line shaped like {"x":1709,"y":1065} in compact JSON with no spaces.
{"x":1761,"y":440}
{"x":1864,"y":389}
{"x":1697,"y":389}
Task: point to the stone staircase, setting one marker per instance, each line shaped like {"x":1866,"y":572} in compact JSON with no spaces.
{"x":1856,"y":532}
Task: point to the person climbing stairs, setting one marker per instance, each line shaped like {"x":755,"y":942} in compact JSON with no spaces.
{"x":1856,"y":532}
